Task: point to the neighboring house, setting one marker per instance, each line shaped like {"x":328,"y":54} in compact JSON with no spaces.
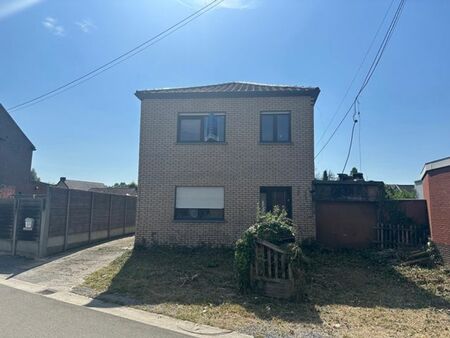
{"x":435,"y":182}
{"x":124,"y":191}
{"x":16,"y":152}
{"x":79,"y":185}
{"x":210,"y":154}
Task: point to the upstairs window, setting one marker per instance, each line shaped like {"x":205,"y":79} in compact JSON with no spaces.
{"x":275,"y":127}
{"x":199,"y":203}
{"x":199,"y":128}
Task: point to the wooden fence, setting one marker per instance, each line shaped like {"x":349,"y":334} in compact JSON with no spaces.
{"x":271,"y":271}
{"x":392,"y":236}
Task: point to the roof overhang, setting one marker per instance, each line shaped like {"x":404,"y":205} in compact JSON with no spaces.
{"x":150,"y":94}
{"x":442,"y":163}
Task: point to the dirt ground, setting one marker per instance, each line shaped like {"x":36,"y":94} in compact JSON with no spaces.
{"x":349,"y":294}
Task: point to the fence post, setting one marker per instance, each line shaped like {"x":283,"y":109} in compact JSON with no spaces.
{"x":125,"y":215}
{"x":14,"y":234}
{"x":91,"y":218}
{"x":45,"y":224}
{"x":109,"y":216}
{"x":66,"y":231}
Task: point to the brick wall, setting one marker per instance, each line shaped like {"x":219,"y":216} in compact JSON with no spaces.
{"x":436,"y":189}
{"x":241,"y":166}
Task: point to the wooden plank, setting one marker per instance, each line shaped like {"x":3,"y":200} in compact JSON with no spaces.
{"x":256,"y":259}
{"x":270,"y":245}
{"x":275,"y":259}
{"x":269,"y":260}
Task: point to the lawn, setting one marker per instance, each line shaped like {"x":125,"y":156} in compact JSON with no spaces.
{"x":348,"y":294}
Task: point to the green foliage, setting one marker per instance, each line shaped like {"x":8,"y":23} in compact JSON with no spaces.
{"x":34,"y":176}
{"x":353,"y":171}
{"x":274,"y":227}
{"x":393,"y":193}
{"x":125,"y":185}
{"x":434,"y":254}
{"x":327,"y":175}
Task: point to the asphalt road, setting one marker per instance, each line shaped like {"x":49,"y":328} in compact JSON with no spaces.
{"x":24,"y":314}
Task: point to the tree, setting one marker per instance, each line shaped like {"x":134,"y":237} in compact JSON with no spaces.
{"x":325,"y":176}
{"x":132,"y":185}
{"x":353,"y":171}
{"x":393,"y":193}
{"x":34,"y":176}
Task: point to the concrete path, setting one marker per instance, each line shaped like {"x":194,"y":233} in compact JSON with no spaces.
{"x":55,"y":277}
{"x":63,"y":272}
{"x":30,"y":315}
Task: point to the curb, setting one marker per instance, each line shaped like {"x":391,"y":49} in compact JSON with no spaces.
{"x":144,"y":317}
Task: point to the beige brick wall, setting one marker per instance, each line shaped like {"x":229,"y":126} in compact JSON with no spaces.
{"x":241,"y":166}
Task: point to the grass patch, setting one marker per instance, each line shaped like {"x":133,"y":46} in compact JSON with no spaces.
{"x":349,"y":294}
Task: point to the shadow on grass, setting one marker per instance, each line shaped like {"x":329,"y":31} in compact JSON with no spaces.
{"x":204,"y":278}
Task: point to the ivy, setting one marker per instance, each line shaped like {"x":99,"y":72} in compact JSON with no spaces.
{"x":274,"y":227}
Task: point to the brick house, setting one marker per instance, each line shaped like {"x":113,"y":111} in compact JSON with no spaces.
{"x":209,"y":154}
{"x":435,"y":186}
{"x":16,"y":152}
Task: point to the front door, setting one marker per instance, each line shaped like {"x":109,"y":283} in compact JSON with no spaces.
{"x":272,"y":196}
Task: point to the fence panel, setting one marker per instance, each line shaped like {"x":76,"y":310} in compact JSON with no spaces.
{"x":117,"y":211}
{"x":29,"y":208}
{"x":130,"y":221}
{"x":58,"y":211}
{"x":101,"y":212}
{"x":6,"y":218}
{"x":392,"y":236}
{"x":79,"y":211}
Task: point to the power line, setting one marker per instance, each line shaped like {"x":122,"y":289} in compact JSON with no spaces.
{"x":371,"y":70}
{"x":119,"y":59}
{"x":357,"y":72}
{"x":355,"y":121}
{"x":359,"y":139}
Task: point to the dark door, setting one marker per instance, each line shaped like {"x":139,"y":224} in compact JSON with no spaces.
{"x":272,"y":196}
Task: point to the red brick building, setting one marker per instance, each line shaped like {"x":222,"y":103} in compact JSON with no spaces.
{"x":435,"y":179}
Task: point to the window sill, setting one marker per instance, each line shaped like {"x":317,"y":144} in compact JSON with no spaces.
{"x":199,"y":221}
{"x":201,"y":143}
{"x":276,"y":143}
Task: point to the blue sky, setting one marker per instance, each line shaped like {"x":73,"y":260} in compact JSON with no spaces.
{"x":92,"y":132}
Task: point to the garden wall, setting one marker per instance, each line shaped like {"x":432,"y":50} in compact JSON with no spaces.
{"x":349,"y":213}
{"x":63,"y":219}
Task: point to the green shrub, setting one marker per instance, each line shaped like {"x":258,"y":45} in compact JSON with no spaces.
{"x":274,"y":227}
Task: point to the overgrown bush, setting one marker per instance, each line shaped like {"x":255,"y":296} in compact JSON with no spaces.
{"x":274,"y":227}
{"x":434,"y":254}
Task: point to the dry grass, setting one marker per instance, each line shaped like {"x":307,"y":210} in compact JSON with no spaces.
{"x":348,"y":294}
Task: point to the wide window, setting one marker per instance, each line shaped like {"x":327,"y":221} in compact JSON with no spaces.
{"x":199,"y":203}
{"x":275,"y":127}
{"x":208,"y":127}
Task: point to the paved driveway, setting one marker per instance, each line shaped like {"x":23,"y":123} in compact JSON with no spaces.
{"x":63,"y":272}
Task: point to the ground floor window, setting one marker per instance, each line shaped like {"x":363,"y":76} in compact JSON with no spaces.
{"x":272,"y":196}
{"x":199,"y":203}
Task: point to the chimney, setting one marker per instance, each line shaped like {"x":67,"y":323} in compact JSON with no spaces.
{"x":62,"y":179}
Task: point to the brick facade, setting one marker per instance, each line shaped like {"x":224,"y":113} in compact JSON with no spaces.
{"x":242,"y":165}
{"x":436,"y":190}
